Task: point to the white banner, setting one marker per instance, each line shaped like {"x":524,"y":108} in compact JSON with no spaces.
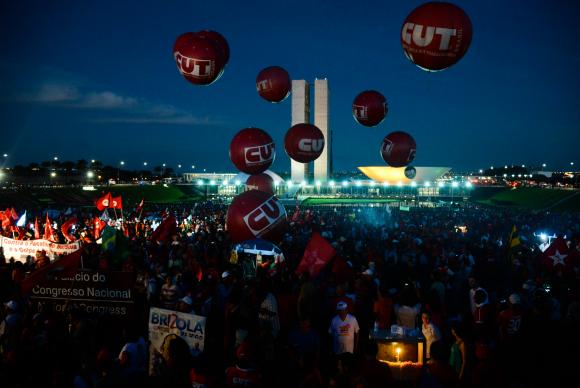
{"x":19,"y":249}
{"x":166,"y":326}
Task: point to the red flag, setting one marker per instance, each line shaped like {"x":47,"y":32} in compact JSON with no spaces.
{"x":317,"y":254}
{"x":557,"y":256}
{"x":66,"y":226}
{"x":139,"y":207}
{"x":65,"y":266}
{"x":296,"y":215}
{"x":116,"y":202}
{"x":48,"y":232}
{"x":165,"y":230}
{"x":98,"y":226}
{"x":6,"y":219}
{"x":14,"y":215}
{"x":104,"y":202}
{"x":36,"y":229}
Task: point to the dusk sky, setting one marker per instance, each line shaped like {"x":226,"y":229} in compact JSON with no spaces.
{"x":97,"y":80}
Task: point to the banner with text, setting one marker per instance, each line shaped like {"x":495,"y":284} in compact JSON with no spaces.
{"x":94,"y":292}
{"x":166,"y":326}
{"x":19,"y":249}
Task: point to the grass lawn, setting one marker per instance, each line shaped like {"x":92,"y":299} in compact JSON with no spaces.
{"x":344,"y":201}
{"x":532,"y":198}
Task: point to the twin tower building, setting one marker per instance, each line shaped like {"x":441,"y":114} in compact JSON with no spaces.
{"x":301,"y":114}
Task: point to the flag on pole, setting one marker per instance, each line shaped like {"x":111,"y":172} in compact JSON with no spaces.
{"x":557,"y":256}
{"x":140,"y":206}
{"x":48,"y":232}
{"x":22,"y":221}
{"x":104,"y":202}
{"x":98,"y":226}
{"x":6,"y":218}
{"x":317,"y":254}
{"x":165,"y":230}
{"x":36,"y":229}
{"x":513,"y":243}
{"x":116,"y":202}
{"x":14,"y":215}
{"x":65,"y":228}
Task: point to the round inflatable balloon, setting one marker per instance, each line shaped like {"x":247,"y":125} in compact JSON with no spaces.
{"x":273,"y":84}
{"x":304,"y":142}
{"x":220,"y":41}
{"x":198,"y":59}
{"x":369,"y":108}
{"x":436,"y":35}
{"x":410,"y":172}
{"x":256,"y":214}
{"x":262,"y":182}
{"x":398,"y":149}
{"x":252,"y":151}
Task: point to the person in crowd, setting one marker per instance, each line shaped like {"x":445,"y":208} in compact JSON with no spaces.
{"x":430,"y":332}
{"x":343,"y":330}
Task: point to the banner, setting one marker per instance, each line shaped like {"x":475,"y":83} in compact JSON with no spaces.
{"x":166,"y":326}
{"x":94,"y":292}
{"x":19,"y":249}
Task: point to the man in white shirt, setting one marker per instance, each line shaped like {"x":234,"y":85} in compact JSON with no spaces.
{"x":343,"y":330}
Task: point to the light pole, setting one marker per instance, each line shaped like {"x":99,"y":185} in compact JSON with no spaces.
{"x":122,"y":163}
{"x":90,"y":175}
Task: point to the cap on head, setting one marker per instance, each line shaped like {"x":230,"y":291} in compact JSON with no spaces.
{"x":341,"y":306}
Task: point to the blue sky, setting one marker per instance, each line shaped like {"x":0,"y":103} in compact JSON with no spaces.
{"x":82,"y":79}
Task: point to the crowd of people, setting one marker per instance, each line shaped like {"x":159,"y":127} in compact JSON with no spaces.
{"x":491,"y":312}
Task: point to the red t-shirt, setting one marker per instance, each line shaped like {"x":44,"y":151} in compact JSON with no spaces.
{"x":238,"y":377}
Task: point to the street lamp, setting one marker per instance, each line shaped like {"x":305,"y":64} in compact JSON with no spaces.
{"x":121,"y":163}
{"x":55,"y":158}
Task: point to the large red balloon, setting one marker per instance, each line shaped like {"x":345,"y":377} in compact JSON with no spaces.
{"x":262,"y":182}
{"x":273,"y":84}
{"x":436,"y":35}
{"x":369,"y":108}
{"x":220,"y":41}
{"x":304,"y":142}
{"x":256,"y":214}
{"x":398,"y":149}
{"x":198,"y":59}
{"x":252,"y":151}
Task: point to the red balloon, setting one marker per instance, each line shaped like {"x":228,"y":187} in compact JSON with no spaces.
{"x":198,"y":59}
{"x":398,"y":149}
{"x":369,"y":108}
{"x":304,"y":142}
{"x":262,"y":182}
{"x":273,"y":84}
{"x":220,"y":41}
{"x":256,"y":214}
{"x":436,"y":35}
{"x":252,"y":151}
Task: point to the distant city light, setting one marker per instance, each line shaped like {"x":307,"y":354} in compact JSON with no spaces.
{"x":90,"y":174}
{"x":226,"y":182}
{"x":212,"y":182}
{"x":345,"y":183}
{"x":179,"y":166}
{"x":523,"y":166}
{"x":454,"y":184}
{"x":519,"y":175}
{"x":358,"y":183}
{"x":492,"y":167}
{"x":544,"y":165}
{"x":52,"y":174}
{"x":163,"y":165}
{"x":468,"y":184}
{"x":331,"y":183}
{"x":373,"y":183}
{"x":238,"y":182}
{"x":145,"y":163}
{"x":122,"y":163}
{"x":5,"y":155}
{"x":192,"y":167}
{"x":505,"y":166}
{"x":318,"y":183}
{"x":441,"y":184}
{"x":55,"y":158}
{"x":303,"y":183}
{"x":199,"y":182}
{"x":543,"y":236}
{"x":427,"y":184}
{"x":505,"y":175}
{"x":413,"y":184}
{"x":399,"y":184}
{"x":385,"y":184}
{"x":289,"y":183}
{"x":481,"y":171}
{"x":92,"y":160}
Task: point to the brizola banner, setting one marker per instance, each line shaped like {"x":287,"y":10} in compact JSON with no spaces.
{"x":20,"y":249}
{"x":103,"y":293}
{"x":166,"y":326}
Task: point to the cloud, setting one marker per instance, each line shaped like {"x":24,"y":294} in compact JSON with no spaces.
{"x":107,"y":100}
{"x":53,"y":93}
{"x":129,"y":110}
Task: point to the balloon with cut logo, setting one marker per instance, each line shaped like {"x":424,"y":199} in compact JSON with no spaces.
{"x":256,"y":214}
{"x":262,"y":182}
{"x":200,"y":60}
{"x":304,"y":142}
{"x":273,"y":84}
{"x":369,"y":108}
{"x":220,"y":42}
{"x":252,"y":151}
{"x":398,"y":149}
{"x":436,"y":35}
